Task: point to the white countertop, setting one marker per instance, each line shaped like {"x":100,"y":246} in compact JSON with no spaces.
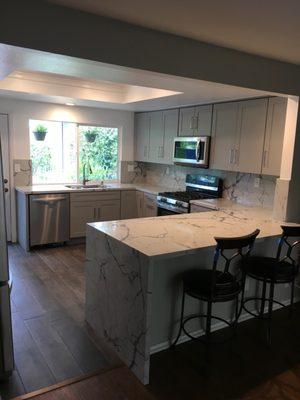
{"x":162,"y":236}
{"x":44,"y":189}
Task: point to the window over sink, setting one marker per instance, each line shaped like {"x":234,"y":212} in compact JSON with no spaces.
{"x":62,"y":152}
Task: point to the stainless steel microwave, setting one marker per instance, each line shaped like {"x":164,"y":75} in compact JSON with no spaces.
{"x":192,"y":151}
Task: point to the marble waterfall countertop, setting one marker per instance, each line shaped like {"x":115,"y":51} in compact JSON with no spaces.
{"x":178,"y":234}
{"x":44,"y":189}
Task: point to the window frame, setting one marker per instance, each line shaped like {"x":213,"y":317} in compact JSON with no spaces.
{"x":78,"y":124}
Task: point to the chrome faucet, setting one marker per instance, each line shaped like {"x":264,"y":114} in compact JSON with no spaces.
{"x":90,"y":171}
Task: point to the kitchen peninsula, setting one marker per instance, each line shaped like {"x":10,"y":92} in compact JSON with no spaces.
{"x":132,"y":267}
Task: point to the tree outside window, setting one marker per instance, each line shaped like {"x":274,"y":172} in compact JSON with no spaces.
{"x":60,"y":157}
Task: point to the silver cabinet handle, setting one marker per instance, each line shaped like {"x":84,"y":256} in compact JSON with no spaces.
{"x":231,"y":154}
{"x":236,"y":156}
{"x":192,"y":123}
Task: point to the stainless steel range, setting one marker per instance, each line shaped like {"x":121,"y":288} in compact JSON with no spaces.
{"x":197,"y":187}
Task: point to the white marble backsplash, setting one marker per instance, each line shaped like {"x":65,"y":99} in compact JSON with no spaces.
{"x":24,"y":176}
{"x":238,"y":187}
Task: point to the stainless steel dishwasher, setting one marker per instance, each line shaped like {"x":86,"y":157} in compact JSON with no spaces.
{"x":49,"y":218}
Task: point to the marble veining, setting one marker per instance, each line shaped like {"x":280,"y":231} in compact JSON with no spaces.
{"x":118,"y":288}
{"x":238,"y":187}
{"x":24,"y":176}
{"x":164,"y":236}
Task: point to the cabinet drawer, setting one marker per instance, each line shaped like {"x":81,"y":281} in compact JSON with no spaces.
{"x":96,"y":196}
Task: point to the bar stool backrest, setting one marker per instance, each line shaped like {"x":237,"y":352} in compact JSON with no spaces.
{"x":287,"y":233}
{"x":242,"y":245}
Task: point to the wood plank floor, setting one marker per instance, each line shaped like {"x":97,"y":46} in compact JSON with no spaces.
{"x":116,"y":384}
{"x":51,"y":342}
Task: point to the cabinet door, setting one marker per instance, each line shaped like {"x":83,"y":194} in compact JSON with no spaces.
{"x":156,"y":141}
{"x":187,"y":121}
{"x":108,"y":210}
{"x":170,"y":118}
{"x":140,"y":203}
{"x":204,"y":119}
{"x":129,"y":207}
{"x":150,"y":206}
{"x":142,"y":126}
{"x":224,"y":136}
{"x":252,"y":124}
{"x":81,"y":213}
{"x":274,"y":136}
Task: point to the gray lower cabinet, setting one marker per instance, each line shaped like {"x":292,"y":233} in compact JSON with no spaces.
{"x":149,"y":205}
{"x":129,"y":204}
{"x":92,"y":207}
{"x":146,"y":205}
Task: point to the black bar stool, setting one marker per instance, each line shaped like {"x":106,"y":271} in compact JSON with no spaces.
{"x":212,"y":285}
{"x":272,"y":271}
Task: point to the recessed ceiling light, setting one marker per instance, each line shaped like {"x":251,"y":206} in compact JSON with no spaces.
{"x":70,"y":104}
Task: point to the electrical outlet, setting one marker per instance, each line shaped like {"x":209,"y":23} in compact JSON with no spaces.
{"x":257,"y":182}
{"x":168,"y":171}
{"x":286,"y":285}
{"x":17,"y":168}
{"x":130,"y":167}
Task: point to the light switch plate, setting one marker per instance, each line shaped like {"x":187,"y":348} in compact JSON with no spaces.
{"x":130,"y":167}
{"x":17,"y":168}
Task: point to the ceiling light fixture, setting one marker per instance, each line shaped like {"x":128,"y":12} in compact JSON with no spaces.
{"x":70,"y":104}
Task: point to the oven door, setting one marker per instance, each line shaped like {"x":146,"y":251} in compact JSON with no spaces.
{"x":192,"y":151}
{"x":163,"y":211}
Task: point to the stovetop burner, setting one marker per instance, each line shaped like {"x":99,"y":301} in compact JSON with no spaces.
{"x":197,"y":187}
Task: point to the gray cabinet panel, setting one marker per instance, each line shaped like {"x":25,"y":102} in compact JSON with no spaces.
{"x":252,"y":124}
{"x":274,"y":136}
{"x":129,"y":205}
{"x":142,"y":134}
{"x":204,"y":120}
{"x":156,"y":142}
{"x":170,"y":132}
{"x":187,"y":121}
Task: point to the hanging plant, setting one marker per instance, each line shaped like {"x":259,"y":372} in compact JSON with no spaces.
{"x":40,"y":132}
{"x":91,"y":134}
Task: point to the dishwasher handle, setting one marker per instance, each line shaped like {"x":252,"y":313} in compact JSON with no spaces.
{"x":47,"y":200}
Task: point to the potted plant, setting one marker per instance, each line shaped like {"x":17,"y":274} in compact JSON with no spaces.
{"x":40,"y":132}
{"x":90,"y":134}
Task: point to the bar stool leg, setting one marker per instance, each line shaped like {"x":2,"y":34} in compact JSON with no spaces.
{"x":208,"y":321}
{"x":292,"y":295}
{"x":181,"y":320}
{"x":263,"y":296}
{"x":271,"y":297}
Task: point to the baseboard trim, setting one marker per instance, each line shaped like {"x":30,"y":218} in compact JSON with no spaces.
{"x":215,"y":327}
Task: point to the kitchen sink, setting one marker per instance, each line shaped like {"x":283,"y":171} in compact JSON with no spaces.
{"x":87,"y":187}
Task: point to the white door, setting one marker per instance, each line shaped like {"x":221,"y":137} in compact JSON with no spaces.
{"x":6,"y":175}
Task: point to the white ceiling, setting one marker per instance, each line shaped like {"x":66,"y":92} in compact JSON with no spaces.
{"x":269,"y":28}
{"x":40,"y":76}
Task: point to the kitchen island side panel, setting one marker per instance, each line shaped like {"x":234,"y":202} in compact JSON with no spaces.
{"x":118,"y":299}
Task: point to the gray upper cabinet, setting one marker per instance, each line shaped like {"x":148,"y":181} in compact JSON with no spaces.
{"x":203,"y":120}
{"x":154,"y":133}
{"x":170,"y":123}
{"x":274,"y":136}
{"x":252,"y":124}
{"x":142,"y":130}
{"x":238,"y":136}
{"x":195,"y":121}
{"x":187,"y":121}
{"x":156,"y":142}
{"x":224,"y":136}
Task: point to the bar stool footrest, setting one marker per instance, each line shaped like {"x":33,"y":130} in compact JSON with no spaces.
{"x":256,"y":315}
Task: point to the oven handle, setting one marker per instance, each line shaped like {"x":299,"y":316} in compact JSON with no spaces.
{"x":198,"y":150}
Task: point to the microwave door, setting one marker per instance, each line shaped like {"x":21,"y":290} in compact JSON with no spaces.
{"x":200,"y":153}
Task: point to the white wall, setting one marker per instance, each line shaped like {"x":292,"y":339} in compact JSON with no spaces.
{"x":20,"y":111}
